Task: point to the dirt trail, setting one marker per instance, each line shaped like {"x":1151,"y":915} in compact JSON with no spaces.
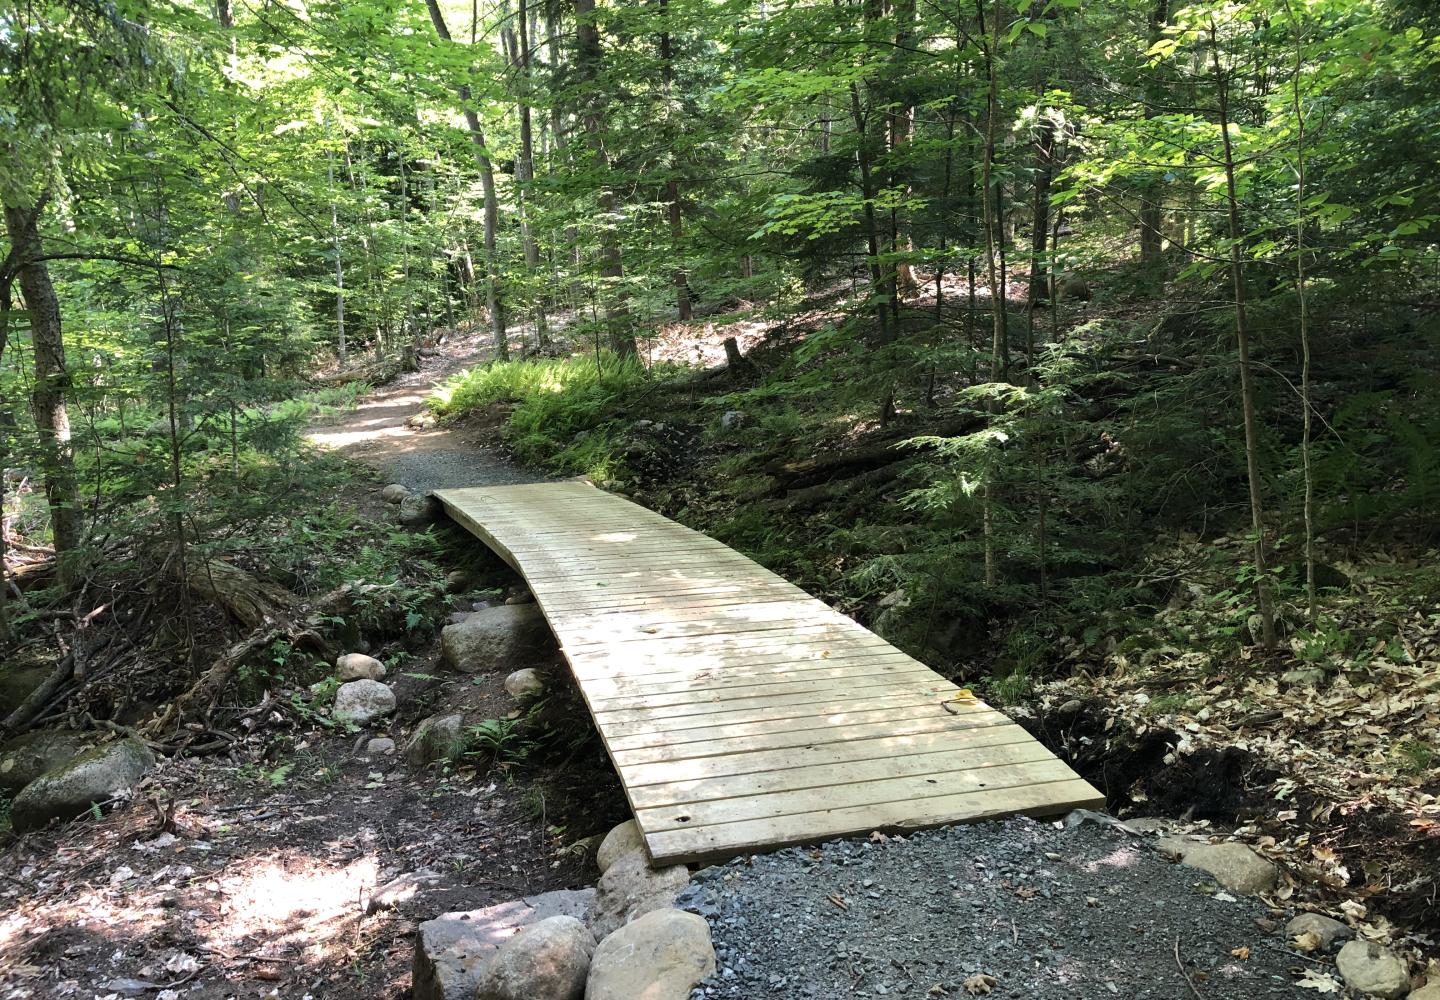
{"x":376,"y":433}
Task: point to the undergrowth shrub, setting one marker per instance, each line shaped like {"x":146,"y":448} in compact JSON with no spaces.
{"x":565,"y":409}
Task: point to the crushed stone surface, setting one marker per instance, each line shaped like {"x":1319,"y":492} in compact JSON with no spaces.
{"x":1048,"y":913}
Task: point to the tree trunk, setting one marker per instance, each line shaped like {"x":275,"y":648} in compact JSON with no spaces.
{"x":1302,"y":293}
{"x":1242,"y":338}
{"x":672,"y":186}
{"x":1040,"y":217}
{"x":1151,"y":214}
{"x":494,"y":299}
{"x":999,"y":347}
{"x":342,"y":351}
{"x":50,"y":395}
{"x":525,"y":174}
{"x":902,"y":127}
{"x":589,"y":57}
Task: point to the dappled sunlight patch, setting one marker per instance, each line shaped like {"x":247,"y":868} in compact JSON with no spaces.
{"x":292,"y":901}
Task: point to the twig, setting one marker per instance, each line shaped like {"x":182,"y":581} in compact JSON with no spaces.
{"x":1183,"y":974}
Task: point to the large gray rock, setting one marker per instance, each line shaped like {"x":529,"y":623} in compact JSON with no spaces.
{"x":1327,"y":930}
{"x":1371,"y":970}
{"x":545,"y":961}
{"x":362,"y":702}
{"x":71,"y":788}
{"x":394,"y":493}
{"x":25,"y":758}
{"x":358,"y":667}
{"x":419,"y":511}
{"x":452,"y":950}
{"x":438,"y":738}
{"x":661,"y":956}
{"x":630,"y":888}
{"x":1430,"y":991}
{"x":618,"y":843}
{"x":1234,"y":866}
{"x":498,"y":638}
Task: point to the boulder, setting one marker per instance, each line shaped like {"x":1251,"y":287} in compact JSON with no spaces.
{"x":1327,"y":930}
{"x":499,"y":638}
{"x":1430,"y":991}
{"x":456,"y":581}
{"x":629,"y":889}
{"x":359,"y":667}
{"x":25,"y":758}
{"x":452,"y":949}
{"x":362,"y":702}
{"x":1370,"y":970}
{"x":546,"y":961}
{"x":379,"y":745}
{"x":732,"y":420}
{"x":662,"y":955}
{"x":525,"y":684}
{"x":523,"y":597}
{"x":438,"y":738}
{"x":1235,"y":866}
{"x":394,"y":493}
{"x":417,"y":511}
{"x":618,"y":843}
{"x":70,"y":789}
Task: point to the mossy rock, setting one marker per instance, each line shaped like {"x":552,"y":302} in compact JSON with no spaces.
{"x":77,"y":785}
{"x":25,"y":758}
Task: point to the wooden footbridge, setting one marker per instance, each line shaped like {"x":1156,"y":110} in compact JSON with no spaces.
{"x":741,"y":713}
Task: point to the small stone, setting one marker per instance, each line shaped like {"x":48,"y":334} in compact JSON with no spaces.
{"x":732,"y":420}
{"x":399,"y":890}
{"x":662,"y":955}
{"x":496,"y":638}
{"x":524,"y":597}
{"x":617,"y":843}
{"x":362,"y":702}
{"x":630,"y":888}
{"x":359,"y":667}
{"x":70,"y":789}
{"x":525,"y":684}
{"x":379,"y":746}
{"x":1305,"y":676}
{"x":1327,"y":930}
{"x":419,"y":511}
{"x":1234,"y":866}
{"x":438,"y":738}
{"x":1369,"y":969}
{"x":394,"y":493}
{"x":456,"y":581}
{"x":548,"y":960}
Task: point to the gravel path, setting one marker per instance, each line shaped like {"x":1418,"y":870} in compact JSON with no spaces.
{"x":423,"y":460}
{"x":1050,"y":914}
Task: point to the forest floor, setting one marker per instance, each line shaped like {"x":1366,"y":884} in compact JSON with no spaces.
{"x":251,"y":874}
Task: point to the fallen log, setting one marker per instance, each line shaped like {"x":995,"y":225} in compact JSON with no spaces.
{"x":253,"y":601}
{"x":811,"y":471}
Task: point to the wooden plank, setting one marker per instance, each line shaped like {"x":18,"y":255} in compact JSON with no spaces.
{"x":726,"y":840}
{"x":740,"y":693}
{"x":633,"y":723}
{"x":756,"y":707}
{"x":722,"y":680}
{"x":941,"y":722}
{"x":884,"y":790}
{"x":930,"y":762}
{"x":818,"y":754}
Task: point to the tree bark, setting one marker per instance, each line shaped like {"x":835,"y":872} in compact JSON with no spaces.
{"x":683,"y":306}
{"x":902,"y":127}
{"x":1000,"y":347}
{"x":525,"y":173}
{"x":1151,"y":213}
{"x":494,"y":298}
{"x":589,"y":58}
{"x":1242,"y":338}
{"x":50,"y":395}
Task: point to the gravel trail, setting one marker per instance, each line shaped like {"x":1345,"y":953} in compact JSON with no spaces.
{"x":375,"y":432}
{"x":1051,"y":914}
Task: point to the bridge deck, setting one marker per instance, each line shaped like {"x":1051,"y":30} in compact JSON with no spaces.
{"x":741,"y":713}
